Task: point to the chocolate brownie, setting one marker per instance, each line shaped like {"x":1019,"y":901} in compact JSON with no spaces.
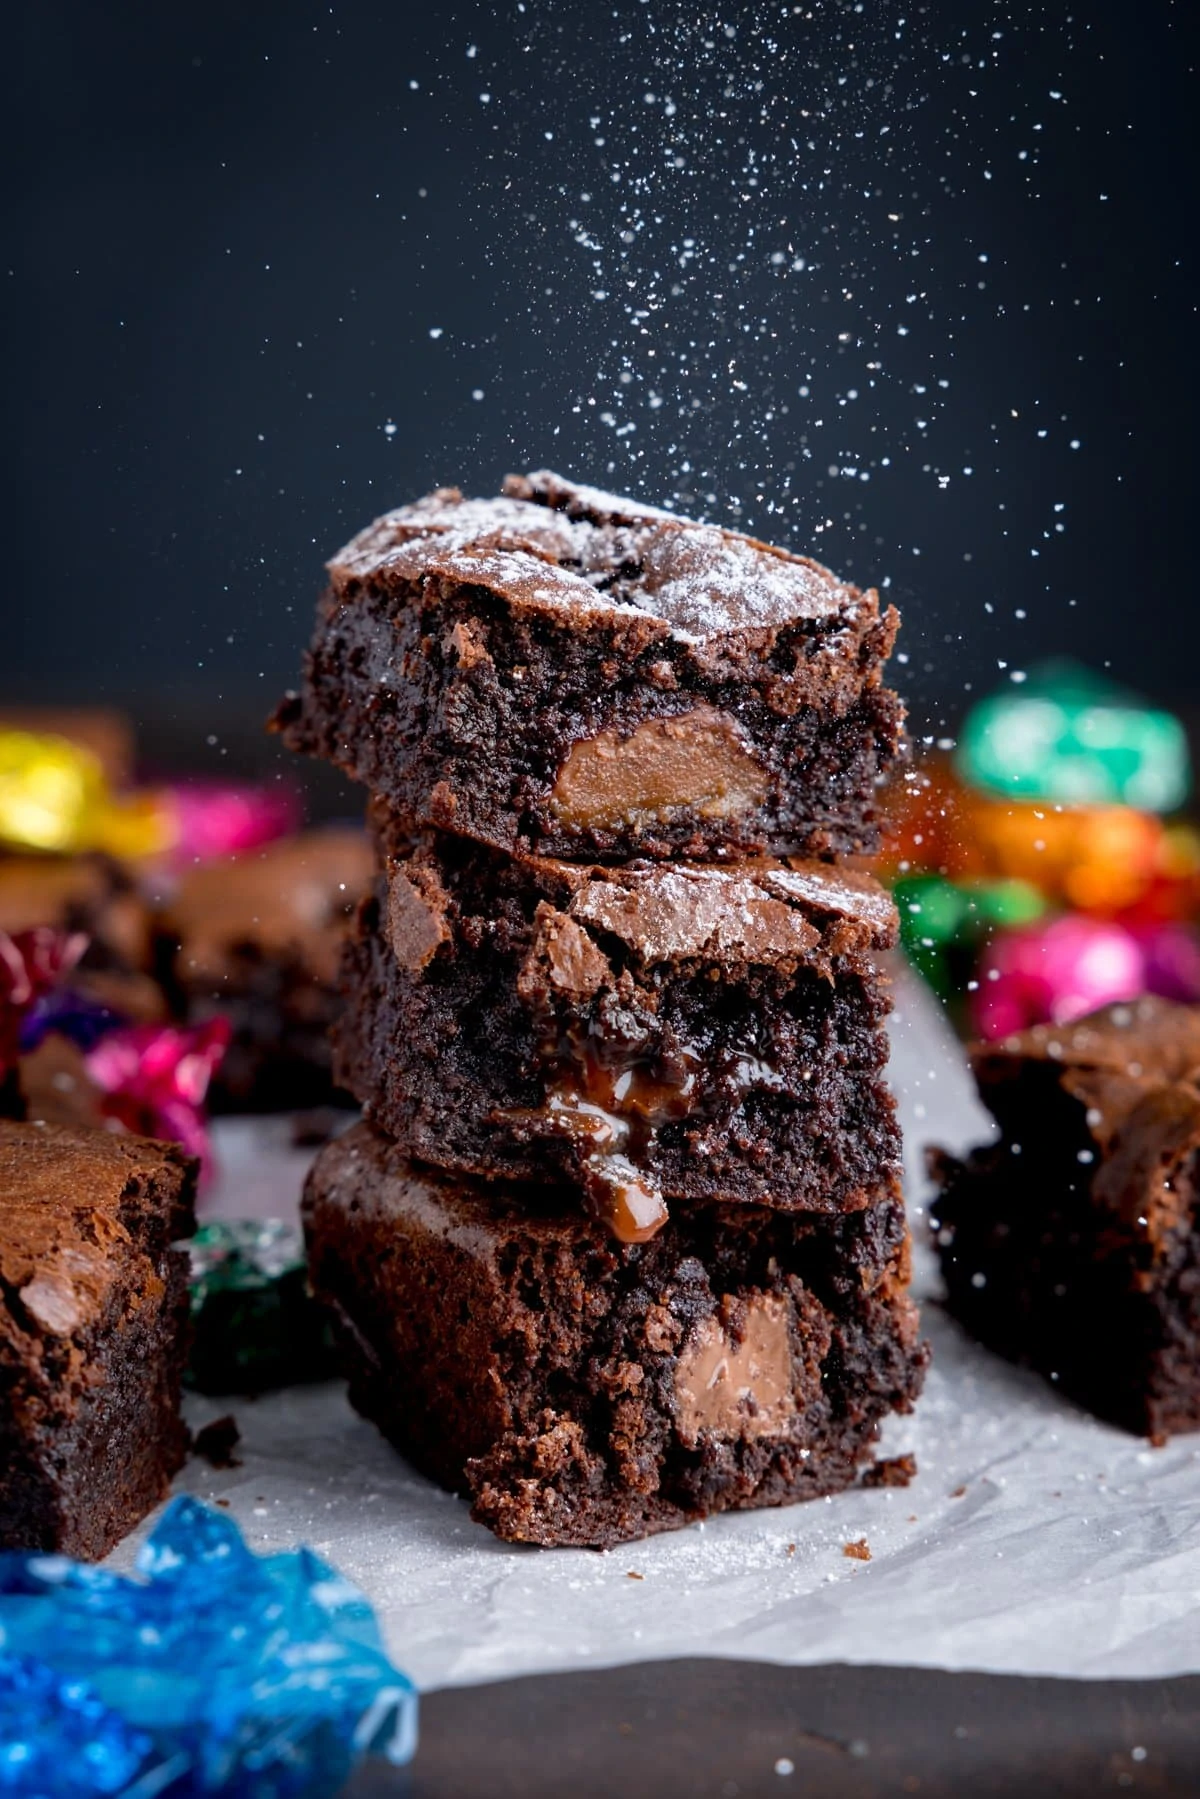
{"x":584,"y":1391}
{"x":256,"y":938}
{"x":93,"y":1333}
{"x":646,"y":1033}
{"x":564,"y":672}
{"x":1073,"y":1244}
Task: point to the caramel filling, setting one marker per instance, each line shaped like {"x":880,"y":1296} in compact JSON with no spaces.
{"x":624,"y":1196}
{"x":737,"y":1388}
{"x":616,"y":1108}
{"x":697,"y":762}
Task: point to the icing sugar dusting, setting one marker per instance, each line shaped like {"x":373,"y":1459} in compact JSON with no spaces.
{"x":458,"y":524}
{"x":729,"y":185}
{"x":768,"y":270}
{"x":700,"y":580}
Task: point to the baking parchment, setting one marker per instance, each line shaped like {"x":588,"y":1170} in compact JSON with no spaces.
{"x":1033,"y":1540}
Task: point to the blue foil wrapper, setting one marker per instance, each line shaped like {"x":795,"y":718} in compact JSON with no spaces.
{"x":216,"y":1671}
{"x":81,"y":1020}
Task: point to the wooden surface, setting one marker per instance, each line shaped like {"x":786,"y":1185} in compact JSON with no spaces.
{"x":738,"y":1730}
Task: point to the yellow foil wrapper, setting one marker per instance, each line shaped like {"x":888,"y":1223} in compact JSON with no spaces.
{"x":51,"y":792}
{"x":54,"y":796}
{"x":136,"y":826}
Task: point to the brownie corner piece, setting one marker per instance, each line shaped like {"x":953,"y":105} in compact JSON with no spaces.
{"x":563,"y":672}
{"x":585,"y":1392}
{"x":1072,"y":1244}
{"x":93,"y":1332}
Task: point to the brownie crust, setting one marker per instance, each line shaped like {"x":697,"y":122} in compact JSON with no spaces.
{"x":645,"y":1034}
{"x":586,"y":1392}
{"x":566,"y":673}
{"x":93,"y":1333}
{"x":1073,"y":1244}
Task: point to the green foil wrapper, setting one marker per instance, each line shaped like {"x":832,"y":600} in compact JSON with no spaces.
{"x":255,"y":1324}
{"x":1072,"y":738}
{"x":945,"y":924}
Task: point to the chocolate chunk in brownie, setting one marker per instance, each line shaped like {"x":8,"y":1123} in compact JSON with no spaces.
{"x":1073,"y":1244}
{"x":568,"y":673}
{"x":584,"y":1391}
{"x":256,"y":938}
{"x":93,"y":1333}
{"x":647,"y":1033}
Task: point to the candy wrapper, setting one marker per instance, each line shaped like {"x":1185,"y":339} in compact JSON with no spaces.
{"x":154,"y":1078}
{"x":1090,"y":859}
{"x":1055,"y":972}
{"x":920,"y":809}
{"x":1055,"y":794}
{"x":1068,"y":737}
{"x":1095,"y":859}
{"x":211,"y":819}
{"x":945,"y":924}
{"x":254,"y":1323}
{"x":31,"y":963}
{"x":215,"y":1670}
{"x":54,"y":796}
{"x":1171,"y":953}
{"x":49,"y":789}
{"x":64,"y":1012}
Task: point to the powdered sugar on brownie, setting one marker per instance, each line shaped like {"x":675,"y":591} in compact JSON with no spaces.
{"x":595,"y":552}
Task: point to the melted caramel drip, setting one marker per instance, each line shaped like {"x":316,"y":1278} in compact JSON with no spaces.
{"x":616,"y":1106}
{"x":633,"y":1209}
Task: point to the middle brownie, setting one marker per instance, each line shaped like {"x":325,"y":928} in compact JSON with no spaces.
{"x":651,"y":1033}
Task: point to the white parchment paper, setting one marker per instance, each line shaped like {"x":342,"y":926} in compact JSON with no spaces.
{"x":1034,"y":1540}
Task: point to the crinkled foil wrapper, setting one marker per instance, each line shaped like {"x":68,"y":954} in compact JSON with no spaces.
{"x":1034,"y":1540}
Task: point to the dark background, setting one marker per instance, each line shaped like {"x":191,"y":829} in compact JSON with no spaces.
{"x":233,"y":229}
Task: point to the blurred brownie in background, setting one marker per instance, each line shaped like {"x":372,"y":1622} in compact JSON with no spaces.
{"x":257,"y":938}
{"x":1073,"y":1243}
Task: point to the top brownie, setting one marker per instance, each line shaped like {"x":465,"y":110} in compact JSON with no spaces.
{"x":568,"y":673}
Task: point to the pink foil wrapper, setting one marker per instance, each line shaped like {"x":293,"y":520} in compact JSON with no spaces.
{"x":155,"y":1079}
{"x":1055,"y":972}
{"x":215,"y":818}
{"x":1172,"y":956}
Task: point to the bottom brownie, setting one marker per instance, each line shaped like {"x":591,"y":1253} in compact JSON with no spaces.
{"x":586,"y":1391}
{"x":93,"y":1333}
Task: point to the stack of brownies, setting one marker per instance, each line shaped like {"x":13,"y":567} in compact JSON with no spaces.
{"x":620,"y":1242}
